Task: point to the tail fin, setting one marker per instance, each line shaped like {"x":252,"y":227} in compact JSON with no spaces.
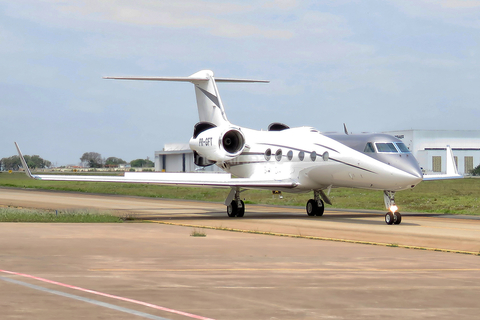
{"x":209,"y":103}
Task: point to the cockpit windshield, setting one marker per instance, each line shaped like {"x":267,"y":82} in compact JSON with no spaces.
{"x":386,"y":147}
{"x":369,"y":147}
{"x":402,"y":147}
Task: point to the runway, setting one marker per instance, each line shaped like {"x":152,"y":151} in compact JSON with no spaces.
{"x":421,"y":230}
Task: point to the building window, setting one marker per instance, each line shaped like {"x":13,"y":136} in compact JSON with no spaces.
{"x":468,"y":164}
{"x":437,"y":163}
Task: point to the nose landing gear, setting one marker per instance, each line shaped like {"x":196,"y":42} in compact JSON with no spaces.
{"x":392,"y":216}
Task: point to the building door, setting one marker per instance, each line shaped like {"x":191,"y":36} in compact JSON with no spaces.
{"x":437,"y":163}
{"x":468,"y":164}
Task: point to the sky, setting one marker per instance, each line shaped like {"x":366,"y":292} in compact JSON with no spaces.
{"x":374,"y":65}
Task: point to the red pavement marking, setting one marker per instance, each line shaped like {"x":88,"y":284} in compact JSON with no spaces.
{"x":146,"y":304}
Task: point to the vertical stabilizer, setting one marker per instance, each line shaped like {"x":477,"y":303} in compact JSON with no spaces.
{"x":209,"y":103}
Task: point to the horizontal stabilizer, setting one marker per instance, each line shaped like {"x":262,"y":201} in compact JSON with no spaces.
{"x":185,"y":79}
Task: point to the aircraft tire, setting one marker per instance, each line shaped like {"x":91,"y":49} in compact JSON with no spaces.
{"x":389,"y":218}
{"x":398,"y":218}
{"x":321,"y":209}
{"x":232,"y":209}
{"x":311,"y":207}
{"x":241,"y":211}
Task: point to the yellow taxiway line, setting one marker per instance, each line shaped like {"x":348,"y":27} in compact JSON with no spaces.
{"x":316,"y":238}
{"x":288,"y":270}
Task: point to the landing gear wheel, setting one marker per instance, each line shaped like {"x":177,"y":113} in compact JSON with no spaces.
{"x":389,"y":218}
{"x":241,"y":210}
{"x":397,"y":218}
{"x":312,"y":207}
{"x":232,"y":209}
{"x":320,"y":209}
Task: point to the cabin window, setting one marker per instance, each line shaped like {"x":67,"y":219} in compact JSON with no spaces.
{"x":325,"y":156}
{"x":268,"y":154}
{"x":290,"y":155}
{"x":278,"y":155}
{"x":369,"y":147}
{"x":313,"y":156}
{"x":386,"y":147}
{"x":301,"y":155}
{"x":402,"y":147}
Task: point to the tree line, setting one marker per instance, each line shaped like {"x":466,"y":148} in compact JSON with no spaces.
{"x":88,"y":159}
{"x":95,"y":160}
{"x":14,"y":162}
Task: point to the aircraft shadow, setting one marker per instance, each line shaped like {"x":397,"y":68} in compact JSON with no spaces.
{"x":350,"y":218}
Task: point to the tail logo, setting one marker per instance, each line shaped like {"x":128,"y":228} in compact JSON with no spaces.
{"x":210,"y":96}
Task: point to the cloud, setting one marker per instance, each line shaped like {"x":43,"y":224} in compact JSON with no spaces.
{"x":463,"y":13}
{"x":224,"y":19}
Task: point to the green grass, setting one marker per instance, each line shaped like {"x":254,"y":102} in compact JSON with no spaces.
{"x":445,"y":196}
{"x":76,"y":216}
{"x":196,"y":233}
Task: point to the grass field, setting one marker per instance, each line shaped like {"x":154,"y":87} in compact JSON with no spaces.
{"x":77,"y":216}
{"x":448,"y":196}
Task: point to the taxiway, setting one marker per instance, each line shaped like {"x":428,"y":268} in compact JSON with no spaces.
{"x":158,"y":271}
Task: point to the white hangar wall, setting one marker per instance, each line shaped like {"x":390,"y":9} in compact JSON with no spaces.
{"x":179,"y":158}
{"x":429,"y":147}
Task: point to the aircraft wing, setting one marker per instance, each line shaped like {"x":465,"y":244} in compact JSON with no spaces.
{"x":164,"y":178}
{"x":452,"y":172}
{"x":185,"y":179}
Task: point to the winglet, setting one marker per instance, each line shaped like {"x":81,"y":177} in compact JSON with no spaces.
{"x":24,"y":163}
{"x":345,"y":129}
{"x":451,"y":167}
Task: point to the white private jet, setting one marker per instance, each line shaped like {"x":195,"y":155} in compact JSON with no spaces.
{"x":281,"y":159}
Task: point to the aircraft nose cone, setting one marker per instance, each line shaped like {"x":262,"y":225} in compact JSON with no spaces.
{"x":408,"y":164}
{"x":412,"y":167}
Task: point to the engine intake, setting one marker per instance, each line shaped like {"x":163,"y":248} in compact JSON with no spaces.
{"x":233,"y":141}
{"x":218,"y":144}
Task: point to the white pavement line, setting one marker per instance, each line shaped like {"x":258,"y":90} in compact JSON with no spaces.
{"x":146,"y":304}
{"x":92,"y":301}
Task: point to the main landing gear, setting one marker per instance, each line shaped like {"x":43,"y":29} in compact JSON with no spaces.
{"x":315,"y":207}
{"x":235,"y":206}
{"x":236,"y":209}
{"x":392,"y":216}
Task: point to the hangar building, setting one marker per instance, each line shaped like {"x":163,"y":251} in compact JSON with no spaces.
{"x":428,"y":147}
{"x":177,"y":157}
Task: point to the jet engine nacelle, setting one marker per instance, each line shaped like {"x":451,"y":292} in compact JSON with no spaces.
{"x":219,"y":144}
